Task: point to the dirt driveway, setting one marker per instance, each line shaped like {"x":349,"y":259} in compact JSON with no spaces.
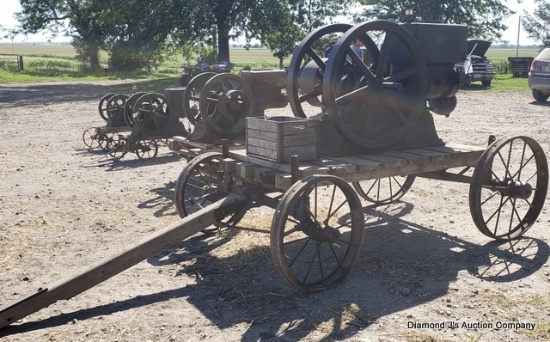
{"x":423,"y":263}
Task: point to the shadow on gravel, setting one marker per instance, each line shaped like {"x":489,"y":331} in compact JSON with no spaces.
{"x":403,"y":265}
{"x":42,"y":94}
{"x":37,"y":94}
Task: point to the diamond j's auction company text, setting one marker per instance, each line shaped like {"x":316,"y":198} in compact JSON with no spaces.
{"x":470,"y":325}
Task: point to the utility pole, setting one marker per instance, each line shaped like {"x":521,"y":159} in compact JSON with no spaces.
{"x":517,"y":43}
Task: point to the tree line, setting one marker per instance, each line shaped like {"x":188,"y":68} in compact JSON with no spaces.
{"x":139,"y":34}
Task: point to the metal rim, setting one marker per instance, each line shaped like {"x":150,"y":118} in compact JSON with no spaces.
{"x":129,"y":108}
{"x":102,"y":106}
{"x":316,"y":232}
{"x":89,"y":137}
{"x":105,"y":138}
{"x":151,"y":113}
{"x":393,"y":96}
{"x":191,"y":96}
{"x":146,"y":149}
{"x":225,"y":102}
{"x":508,"y":188}
{"x":304,"y":53}
{"x":384,"y":190}
{"x":198,"y":186}
{"x":117,"y":146}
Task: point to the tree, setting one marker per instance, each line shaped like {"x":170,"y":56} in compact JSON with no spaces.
{"x":134,"y":32}
{"x":537,"y":25}
{"x":484,"y":18}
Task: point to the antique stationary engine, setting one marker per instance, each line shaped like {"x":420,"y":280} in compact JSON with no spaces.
{"x":383,"y":97}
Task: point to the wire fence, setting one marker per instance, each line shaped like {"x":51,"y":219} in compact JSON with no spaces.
{"x":11,"y":62}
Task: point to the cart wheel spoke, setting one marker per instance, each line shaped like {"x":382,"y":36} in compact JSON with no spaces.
{"x":509,"y":187}
{"x":384,"y":190}
{"x":314,"y":242}
{"x":197,"y":186}
{"x":89,"y":137}
{"x":146,"y":149}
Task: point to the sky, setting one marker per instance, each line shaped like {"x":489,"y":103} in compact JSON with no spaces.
{"x":12,"y":6}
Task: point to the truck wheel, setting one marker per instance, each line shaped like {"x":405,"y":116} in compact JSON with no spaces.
{"x":539,"y":96}
{"x":486,"y":83}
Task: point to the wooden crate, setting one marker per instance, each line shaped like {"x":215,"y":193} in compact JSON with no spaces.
{"x":279,"y":138}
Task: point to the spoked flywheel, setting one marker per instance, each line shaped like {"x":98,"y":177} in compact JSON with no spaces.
{"x":102,"y":106}
{"x":115,"y":107}
{"x":129,"y":108}
{"x":508,"y":187}
{"x":225,"y":102}
{"x":191,"y":96}
{"x":375,"y":99}
{"x":198,"y":187}
{"x":305,"y":74}
{"x":384,"y":190}
{"x":317,"y":231}
{"x":151,"y":113}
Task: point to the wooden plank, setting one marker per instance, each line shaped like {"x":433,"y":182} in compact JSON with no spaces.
{"x":360,"y":163}
{"x":306,"y":168}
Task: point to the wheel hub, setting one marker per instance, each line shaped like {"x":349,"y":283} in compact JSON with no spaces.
{"x":519,"y":189}
{"x":320,"y":232}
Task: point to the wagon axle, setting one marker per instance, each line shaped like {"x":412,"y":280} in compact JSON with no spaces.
{"x":513,"y":188}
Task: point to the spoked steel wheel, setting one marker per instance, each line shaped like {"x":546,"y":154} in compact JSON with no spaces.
{"x":146,"y":148}
{"x":375,"y":99}
{"x":305,"y":74}
{"x":384,"y":190}
{"x":317,"y":231}
{"x":105,"y":138}
{"x":151,"y":113}
{"x":102,"y":106}
{"x":225,"y":102}
{"x":89,"y":137}
{"x":198,"y":186}
{"x":191,"y":96}
{"x":118,"y":146}
{"x":508,"y":187}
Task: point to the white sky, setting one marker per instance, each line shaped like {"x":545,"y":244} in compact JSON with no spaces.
{"x":9,"y":7}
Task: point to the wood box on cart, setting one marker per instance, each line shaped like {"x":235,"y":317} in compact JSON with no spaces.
{"x":280,"y":137}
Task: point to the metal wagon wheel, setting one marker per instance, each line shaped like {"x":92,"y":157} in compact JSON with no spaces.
{"x":508,"y":187}
{"x":89,"y":137}
{"x":151,"y":113}
{"x":225,"y":102}
{"x":128,"y":112}
{"x":115,"y":107}
{"x":102,"y":106}
{"x":191,"y":96}
{"x":118,"y":146}
{"x":317,"y":231}
{"x":146,"y":149}
{"x":375,"y":103}
{"x":197,"y":186}
{"x":384,"y":190}
{"x":105,"y":138}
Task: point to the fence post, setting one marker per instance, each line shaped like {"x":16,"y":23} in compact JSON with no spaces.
{"x":20,"y":63}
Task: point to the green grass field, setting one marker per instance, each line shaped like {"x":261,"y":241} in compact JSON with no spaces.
{"x":57,"y":62}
